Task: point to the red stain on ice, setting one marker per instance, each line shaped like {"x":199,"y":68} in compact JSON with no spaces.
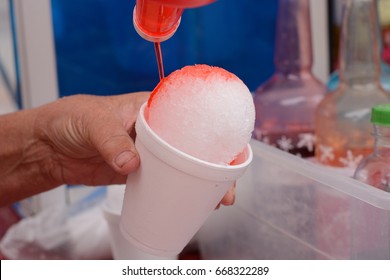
{"x":202,"y":71}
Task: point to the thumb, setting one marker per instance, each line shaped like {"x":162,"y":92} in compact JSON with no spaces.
{"x":116,"y":147}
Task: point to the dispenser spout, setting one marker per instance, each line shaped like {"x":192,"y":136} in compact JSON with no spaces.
{"x":158,"y":20}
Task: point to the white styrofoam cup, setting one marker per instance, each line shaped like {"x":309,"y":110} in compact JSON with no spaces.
{"x":172,"y":193}
{"x":121,"y":248}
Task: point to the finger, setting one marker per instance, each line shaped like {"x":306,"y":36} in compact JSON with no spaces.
{"x":112,"y":134}
{"x":114,"y":144}
{"x":230,"y":196}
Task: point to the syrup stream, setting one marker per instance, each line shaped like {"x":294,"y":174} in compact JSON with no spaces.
{"x":157,"y":49}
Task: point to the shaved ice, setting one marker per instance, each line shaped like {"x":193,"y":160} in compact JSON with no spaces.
{"x":204,"y":111}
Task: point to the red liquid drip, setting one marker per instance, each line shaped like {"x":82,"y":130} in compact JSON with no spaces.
{"x":157,"y":49}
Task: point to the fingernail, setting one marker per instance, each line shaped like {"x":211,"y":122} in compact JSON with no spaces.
{"x":124,"y":158}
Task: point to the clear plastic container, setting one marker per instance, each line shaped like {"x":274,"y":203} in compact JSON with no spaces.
{"x":285,"y":104}
{"x":291,"y":208}
{"x":343,"y":117}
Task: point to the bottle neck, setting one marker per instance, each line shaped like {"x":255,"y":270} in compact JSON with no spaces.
{"x":382,"y":140}
{"x":293,"y":50}
{"x":360,"y":47}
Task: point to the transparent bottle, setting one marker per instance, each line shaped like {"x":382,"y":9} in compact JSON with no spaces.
{"x":374,"y":170}
{"x":343,"y":116}
{"x":285,"y":104}
{"x":384,"y":9}
{"x":334,"y":80}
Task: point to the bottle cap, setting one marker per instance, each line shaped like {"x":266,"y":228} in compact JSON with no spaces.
{"x":380,"y":115}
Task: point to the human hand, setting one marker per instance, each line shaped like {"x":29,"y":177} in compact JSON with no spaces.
{"x":90,"y":139}
{"x":95,"y":152}
{"x":82,"y":139}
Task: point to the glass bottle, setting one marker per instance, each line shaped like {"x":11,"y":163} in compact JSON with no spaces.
{"x":384,"y":26}
{"x":285,"y":104}
{"x":334,"y":80}
{"x":343,"y":116}
{"x":384,"y":8}
{"x":374,"y":170}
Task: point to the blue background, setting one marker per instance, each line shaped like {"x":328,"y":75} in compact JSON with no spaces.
{"x":99,"y":52}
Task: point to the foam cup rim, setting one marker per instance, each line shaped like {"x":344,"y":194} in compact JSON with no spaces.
{"x":142,"y":120}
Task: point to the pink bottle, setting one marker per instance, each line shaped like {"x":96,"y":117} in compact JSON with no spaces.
{"x":286,"y":103}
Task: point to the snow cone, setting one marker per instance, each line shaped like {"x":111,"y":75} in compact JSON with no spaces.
{"x":192,"y":138}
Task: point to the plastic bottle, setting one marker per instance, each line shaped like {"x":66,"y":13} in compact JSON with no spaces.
{"x":383,"y":24}
{"x":343,"y":116}
{"x":374,"y":170}
{"x":158,"y":20}
{"x":285,"y":104}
